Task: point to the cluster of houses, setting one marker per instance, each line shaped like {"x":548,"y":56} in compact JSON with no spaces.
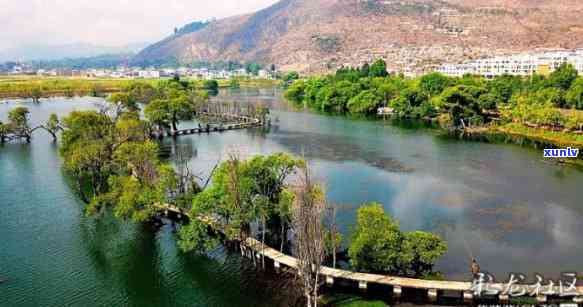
{"x":542,"y":63}
{"x":140,"y":73}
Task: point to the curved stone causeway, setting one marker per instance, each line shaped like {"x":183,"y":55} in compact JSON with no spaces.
{"x":434,"y":288}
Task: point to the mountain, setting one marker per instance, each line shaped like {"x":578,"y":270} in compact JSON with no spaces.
{"x":57,"y":52}
{"x":318,"y":35}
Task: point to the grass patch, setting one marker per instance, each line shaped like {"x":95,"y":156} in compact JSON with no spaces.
{"x":559,"y":138}
{"x":24,"y":86}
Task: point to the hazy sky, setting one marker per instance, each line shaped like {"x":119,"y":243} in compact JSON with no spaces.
{"x":107,"y":22}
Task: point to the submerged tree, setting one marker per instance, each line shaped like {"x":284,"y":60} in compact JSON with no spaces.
{"x":52,"y":126}
{"x":247,"y":191}
{"x":376,"y":241}
{"x":379,"y":246}
{"x":174,"y":106}
{"x":17,"y":125}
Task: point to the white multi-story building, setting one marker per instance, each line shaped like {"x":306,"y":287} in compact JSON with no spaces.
{"x":517,"y":65}
{"x":149,"y":74}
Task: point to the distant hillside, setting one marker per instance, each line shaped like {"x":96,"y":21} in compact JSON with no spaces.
{"x":105,"y":61}
{"x":57,"y":52}
{"x":316,"y":35}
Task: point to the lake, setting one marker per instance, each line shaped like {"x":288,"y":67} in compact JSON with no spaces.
{"x":500,"y":203}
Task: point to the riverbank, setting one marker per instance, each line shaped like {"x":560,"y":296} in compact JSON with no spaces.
{"x":536,"y":137}
{"x":12,"y":87}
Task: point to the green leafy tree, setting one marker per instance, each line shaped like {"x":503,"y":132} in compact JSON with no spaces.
{"x":488,"y":101}
{"x":248,"y":191}
{"x":379,"y":246}
{"x":462,"y":103}
{"x":290,"y":77}
{"x":574,"y":96}
{"x":52,"y":126}
{"x":158,"y":113}
{"x":177,"y":105}
{"x":433,"y":84}
{"x":502,"y":88}
{"x":36,"y":94}
{"x":378,"y":69}
{"x":563,"y":77}
{"x":253,"y":68}
{"x":196,"y":236}
{"x":234,"y":83}
{"x":365,"y":70}
{"x":376,"y":241}
{"x":142,"y":92}
{"x":18,"y":120}
{"x":366,"y":102}
{"x":296,"y":92}
{"x":211,"y":86}
{"x":123,"y":102}
{"x":420,"y":251}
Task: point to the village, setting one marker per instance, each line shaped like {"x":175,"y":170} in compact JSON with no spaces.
{"x":139,"y":73}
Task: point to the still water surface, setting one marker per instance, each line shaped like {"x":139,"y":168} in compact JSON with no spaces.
{"x":500,"y":203}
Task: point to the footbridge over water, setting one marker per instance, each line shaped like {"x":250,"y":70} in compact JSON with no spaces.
{"x":433,"y":288}
{"x":235,"y":122}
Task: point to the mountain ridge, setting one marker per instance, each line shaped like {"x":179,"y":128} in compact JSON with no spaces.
{"x":44,"y":52}
{"x":318,"y":35}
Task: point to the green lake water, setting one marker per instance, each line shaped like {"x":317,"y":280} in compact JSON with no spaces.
{"x":500,"y":203}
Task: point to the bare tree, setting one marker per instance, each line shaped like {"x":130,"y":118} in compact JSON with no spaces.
{"x":333,"y":234}
{"x":308,"y":212}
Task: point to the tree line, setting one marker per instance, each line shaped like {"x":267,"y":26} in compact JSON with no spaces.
{"x":465,"y":101}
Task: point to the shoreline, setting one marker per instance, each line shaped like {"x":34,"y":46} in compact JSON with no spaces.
{"x":28,"y":87}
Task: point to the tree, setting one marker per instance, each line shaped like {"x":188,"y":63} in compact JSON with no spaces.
{"x":310,"y":236}
{"x":4,"y":130}
{"x":89,"y":142}
{"x":167,"y":112}
{"x":142,"y":92}
{"x":420,"y":250}
{"x":123,"y":102}
{"x":253,"y":68}
{"x":563,"y":77}
{"x":90,"y":164}
{"x":502,"y":88}
{"x":295,"y":92}
{"x":158,"y":113}
{"x":18,"y":118}
{"x":290,"y":77}
{"x":234,"y":83}
{"x":52,"y":126}
{"x":36,"y":94}
{"x":366,"y":102}
{"x":574,"y":96}
{"x":243,"y":192}
{"x":284,"y":212}
{"x":433,"y":84}
{"x":17,"y":125}
{"x":376,"y":241}
{"x":333,"y":236}
{"x":488,"y":101}
{"x":365,"y":70}
{"x":462,"y":103}
{"x":211,"y":86}
{"x":196,"y":236}
{"x":378,"y":69}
